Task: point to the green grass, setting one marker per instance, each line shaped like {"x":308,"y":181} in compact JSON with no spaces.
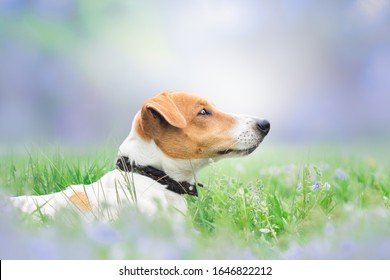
{"x":282,"y":198}
{"x":268,"y":201}
{"x":40,"y":172}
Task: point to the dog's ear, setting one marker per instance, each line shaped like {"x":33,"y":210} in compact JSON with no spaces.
{"x":163,"y":106}
{"x":159,"y":111}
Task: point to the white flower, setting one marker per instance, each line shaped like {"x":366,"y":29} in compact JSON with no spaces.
{"x":265,"y":230}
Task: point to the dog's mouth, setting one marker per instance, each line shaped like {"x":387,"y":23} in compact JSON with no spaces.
{"x":242,"y":152}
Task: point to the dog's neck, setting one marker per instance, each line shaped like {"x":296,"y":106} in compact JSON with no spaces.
{"x":147,"y":153}
{"x":124,"y":164}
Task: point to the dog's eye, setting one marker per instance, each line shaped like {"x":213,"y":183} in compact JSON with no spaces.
{"x":204,"y":112}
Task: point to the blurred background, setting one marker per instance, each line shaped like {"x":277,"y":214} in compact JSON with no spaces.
{"x":76,"y":72}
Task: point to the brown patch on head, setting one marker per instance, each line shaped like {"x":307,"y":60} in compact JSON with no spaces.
{"x":174,"y":122}
{"x":81,"y":201}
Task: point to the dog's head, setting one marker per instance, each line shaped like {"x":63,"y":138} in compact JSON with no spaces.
{"x":185,"y":126}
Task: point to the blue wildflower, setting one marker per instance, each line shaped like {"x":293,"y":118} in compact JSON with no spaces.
{"x":329,"y":229}
{"x":339,"y":173}
{"x":316,"y":186}
{"x":299,"y":186}
{"x":103,"y":233}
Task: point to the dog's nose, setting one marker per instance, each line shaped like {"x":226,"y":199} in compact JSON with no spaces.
{"x":264,"y":126}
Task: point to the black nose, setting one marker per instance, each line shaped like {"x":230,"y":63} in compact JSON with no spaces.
{"x":264,"y":126}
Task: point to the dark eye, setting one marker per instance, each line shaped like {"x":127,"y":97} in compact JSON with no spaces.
{"x":204,"y":112}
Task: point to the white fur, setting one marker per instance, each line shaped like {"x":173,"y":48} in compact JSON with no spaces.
{"x":245,"y":132}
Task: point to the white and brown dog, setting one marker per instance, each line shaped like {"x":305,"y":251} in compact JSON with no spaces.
{"x":173,"y":136}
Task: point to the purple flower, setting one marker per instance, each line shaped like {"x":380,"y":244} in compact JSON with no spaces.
{"x":339,"y":173}
{"x":329,"y":229}
{"x":316,"y":186}
{"x":103,"y":233}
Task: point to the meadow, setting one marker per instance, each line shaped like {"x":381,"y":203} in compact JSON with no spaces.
{"x":282,"y":202}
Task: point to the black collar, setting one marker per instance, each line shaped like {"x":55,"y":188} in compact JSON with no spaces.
{"x":124,"y":164}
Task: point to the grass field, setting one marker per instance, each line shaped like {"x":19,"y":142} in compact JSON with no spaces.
{"x":282,"y":202}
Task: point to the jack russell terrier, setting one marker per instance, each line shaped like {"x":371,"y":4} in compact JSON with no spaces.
{"x":173,"y":136}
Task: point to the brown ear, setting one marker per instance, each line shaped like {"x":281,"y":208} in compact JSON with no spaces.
{"x":167,"y":109}
{"x":157,"y":113}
